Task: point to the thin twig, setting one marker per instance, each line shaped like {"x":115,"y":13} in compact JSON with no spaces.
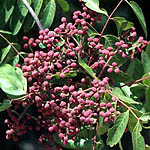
{"x":12,"y":46}
{"x":33,"y":14}
{"x":136,"y":81}
{"x":109,"y":17}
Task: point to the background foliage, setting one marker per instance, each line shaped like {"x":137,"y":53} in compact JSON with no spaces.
{"x":16,"y":22}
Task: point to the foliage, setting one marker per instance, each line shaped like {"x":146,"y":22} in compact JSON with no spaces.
{"x":79,"y":88}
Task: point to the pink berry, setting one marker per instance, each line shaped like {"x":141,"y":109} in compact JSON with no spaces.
{"x":117,"y":70}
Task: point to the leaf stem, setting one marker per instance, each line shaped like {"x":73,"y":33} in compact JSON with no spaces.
{"x":136,"y":81}
{"x":109,"y":17}
{"x":33,"y":14}
{"x":109,"y":92}
{"x":12,"y":46}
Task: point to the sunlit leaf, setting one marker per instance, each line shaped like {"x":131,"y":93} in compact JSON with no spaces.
{"x":12,"y":80}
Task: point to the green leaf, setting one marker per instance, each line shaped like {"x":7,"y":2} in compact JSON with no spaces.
{"x":94,"y":5}
{"x":5,"y":105}
{"x":147,"y":81}
{"x":120,"y":77}
{"x":12,"y":80}
{"x":147,"y":147}
{"x":146,"y":62}
{"x":86,"y":133}
{"x":139,"y":14}
{"x":134,"y":71}
{"x":56,"y":79}
{"x":126,"y":90}
{"x":5,"y":32}
{"x":47,"y":15}
{"x":145,"y":117}
{"x":29,"y":21}
{"x":117,"y":131}
{"x":110,"y":41}
{"x":137,"y":138}
{"x":79,"y":143}
{"x":102,"y":127}
{"x":119,"y":94}
{"x":122,"y":24}
{"x":64,"y":5}
{"x":138,"y":89}
{"x":7,"y":54}
{"x":132,"y":122}
{"x":147,"y":100}
{"x":18,"y":16}
{"x":86,"y":68}
{"x":6,"y":12}
{"x":147,"y":50}
{"x":14,"y":60}
{"x":4,"y":52}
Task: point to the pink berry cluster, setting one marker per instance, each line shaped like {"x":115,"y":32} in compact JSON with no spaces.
{"x":64,"y":96}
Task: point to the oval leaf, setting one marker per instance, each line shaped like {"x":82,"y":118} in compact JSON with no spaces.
{"x":12,"y":80}
{"x":18,"y":16}
{"x":116,"y":132}
{"x":48,"y":14}
{"x":137,"y":138}
{"x":139,"y":14}
{"x":29,"y":21}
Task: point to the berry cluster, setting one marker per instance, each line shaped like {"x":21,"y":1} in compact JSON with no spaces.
{"x":63,"y":91}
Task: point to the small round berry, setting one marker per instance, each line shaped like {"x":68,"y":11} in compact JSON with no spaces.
{"x":117,"y":70}
{"x":110,"y":70}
